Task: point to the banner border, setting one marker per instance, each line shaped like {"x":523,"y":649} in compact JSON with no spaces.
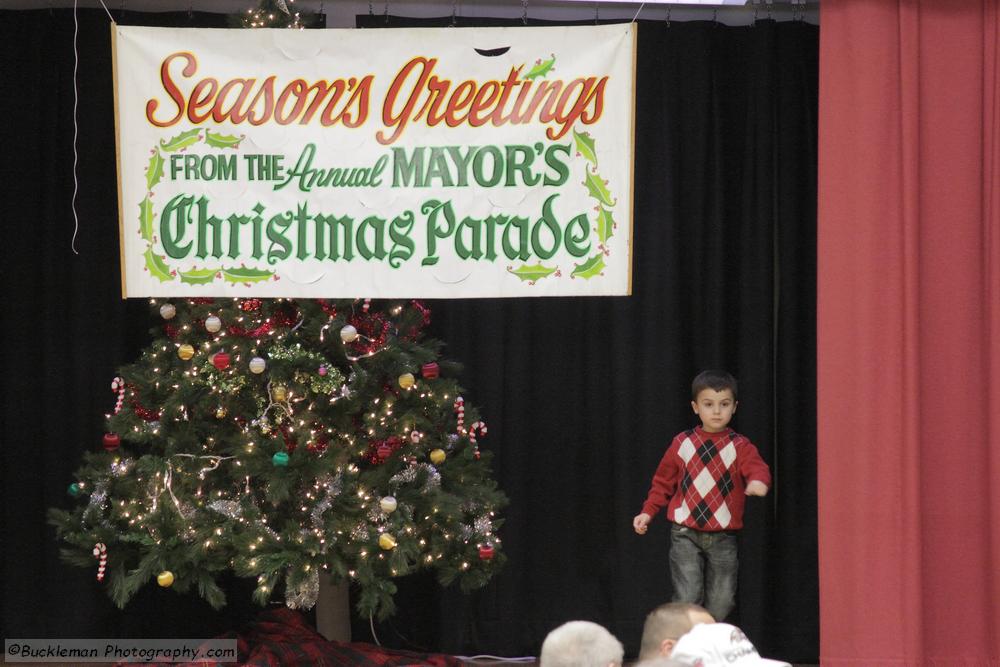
{"x":118,"y":159}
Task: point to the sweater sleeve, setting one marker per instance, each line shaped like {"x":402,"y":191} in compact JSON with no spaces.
{"x":664,"y":481}
{"x":752,"y":466}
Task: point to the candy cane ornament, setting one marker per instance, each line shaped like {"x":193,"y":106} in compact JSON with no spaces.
{"x":479,"y":427}
{"x":476,"y":427}
{"x":460,"y":412}
{"x":101,"y":554}
{"x":118,"y":385}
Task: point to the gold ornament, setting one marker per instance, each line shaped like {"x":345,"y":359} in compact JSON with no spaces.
{"x":165,"y":578}
{"x":185,"y":352}
{"x":387,"y":541}
{"x":279,"y":393}
{"x":220,"y":413}
{"x":406,"y":380}
{"x":438,"y":456}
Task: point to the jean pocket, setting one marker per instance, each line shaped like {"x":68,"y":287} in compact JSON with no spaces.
{"x":679,"y":529}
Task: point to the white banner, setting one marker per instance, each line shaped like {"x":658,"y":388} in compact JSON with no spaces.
{"x":435,"y":163}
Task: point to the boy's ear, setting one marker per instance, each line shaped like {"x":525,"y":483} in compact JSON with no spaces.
{"x":736,"y":404}
{"x":694,"y":407}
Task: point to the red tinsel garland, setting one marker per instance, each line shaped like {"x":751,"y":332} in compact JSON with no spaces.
{"x":141,"y":412}
{"x":327,"y":307}
{"x":374,"y":330}
{"x":260,"y":331}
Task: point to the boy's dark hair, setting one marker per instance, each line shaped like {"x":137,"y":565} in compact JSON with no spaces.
{"x":717,"y":380}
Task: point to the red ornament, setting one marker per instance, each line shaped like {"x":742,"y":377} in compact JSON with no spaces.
{"x":250,"y":305}
{"x":221,"y":360}
{"x":112,"y":441}
{"x":486,"y":552}
{"x":384,"y":451}
{"x":430,"y":370}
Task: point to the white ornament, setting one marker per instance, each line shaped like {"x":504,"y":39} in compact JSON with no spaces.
{"x":348,"y":334}
{"x":167,"y":311}
{"x":257,"y":365}
{"x":388,"y":504}
{"x":213,"y":323}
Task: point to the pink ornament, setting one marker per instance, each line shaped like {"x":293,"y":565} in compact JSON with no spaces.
{"x":322,"y":370}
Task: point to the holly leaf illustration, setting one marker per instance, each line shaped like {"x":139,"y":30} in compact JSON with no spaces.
{"x":198,"y":276}
{"x":245,"y":275}
{"x":216,"y":140}
{"x":533,"y":273}
{"x":592,"y":267}
{"x":146,"y":219}
{"x":154,"y":172}
{"x":597,"y":189}
{"x":585,"y":146}
{"x":541,"y":68}
{"x":157,"y":267}
{"x":182,"y":140}
{"x":605,"y":225}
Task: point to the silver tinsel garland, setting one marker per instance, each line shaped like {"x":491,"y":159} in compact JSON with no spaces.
{"x":410,"y":474}
{"x":304,"y":595}
{"x":229,"y":508}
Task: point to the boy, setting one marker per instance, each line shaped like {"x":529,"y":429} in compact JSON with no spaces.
{"x":702,"y":480}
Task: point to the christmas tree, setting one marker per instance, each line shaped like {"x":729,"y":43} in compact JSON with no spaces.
{"x":279,"y":438}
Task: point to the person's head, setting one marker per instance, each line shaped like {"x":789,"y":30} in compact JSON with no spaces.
{"x":668,"y":623}
{"x":581,"y":644}
{"x":713,"y":399}
{"x":720,"y":645}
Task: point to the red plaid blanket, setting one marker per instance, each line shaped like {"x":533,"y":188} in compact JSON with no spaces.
{"x":282,"y":637}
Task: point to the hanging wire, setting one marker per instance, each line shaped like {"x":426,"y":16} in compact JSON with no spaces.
{"x":385,"y":12}
{"x":667,"y":17}
{"x":454,"y":13}
{"x":597,"y":12}
{"x":371,"y":8}
{"x":637,"y":13}
{"x":524,"y":12}
{"x":76,"y":131}
{"x":107,"y":11}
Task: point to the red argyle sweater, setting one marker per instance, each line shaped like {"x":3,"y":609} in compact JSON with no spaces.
{"x":703,"y":477}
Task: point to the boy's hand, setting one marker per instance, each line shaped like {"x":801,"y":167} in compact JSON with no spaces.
{"x":641,"y":522}
{"x":756,"y":488}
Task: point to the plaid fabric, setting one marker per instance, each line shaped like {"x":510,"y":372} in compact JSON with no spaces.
{"x":283,"y":638}
{"x":702,"y":479}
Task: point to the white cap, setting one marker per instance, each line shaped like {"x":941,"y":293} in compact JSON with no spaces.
{"x":719,"y":645}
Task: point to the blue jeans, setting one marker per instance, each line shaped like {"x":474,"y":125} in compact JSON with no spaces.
{"x":703,"y":567}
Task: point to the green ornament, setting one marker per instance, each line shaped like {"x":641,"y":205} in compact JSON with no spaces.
{"x":280,"y":459}
{"x":74,"y":489}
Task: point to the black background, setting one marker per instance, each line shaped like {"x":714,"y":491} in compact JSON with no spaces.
{"x":581,"y":394}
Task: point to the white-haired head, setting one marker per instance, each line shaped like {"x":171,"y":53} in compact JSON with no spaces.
{"x":581,"y":644}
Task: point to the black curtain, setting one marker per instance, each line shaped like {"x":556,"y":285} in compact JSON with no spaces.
{"x":581,"y":394}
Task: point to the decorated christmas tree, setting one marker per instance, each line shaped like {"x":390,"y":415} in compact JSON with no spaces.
{"x":277,"y":439}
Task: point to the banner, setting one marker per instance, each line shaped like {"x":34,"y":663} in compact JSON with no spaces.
{"x":435,"y":163}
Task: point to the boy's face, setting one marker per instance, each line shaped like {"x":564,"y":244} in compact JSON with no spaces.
{"x":714,"y":408}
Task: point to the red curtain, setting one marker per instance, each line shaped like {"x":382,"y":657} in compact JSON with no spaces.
{"x":909,"y":332}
